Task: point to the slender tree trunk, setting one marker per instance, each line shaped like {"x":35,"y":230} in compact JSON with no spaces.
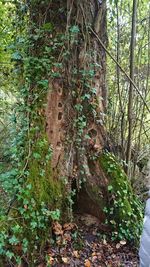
{"x":118,"y":86}
{"x":130,"y":103}
{"x":146,"y":93}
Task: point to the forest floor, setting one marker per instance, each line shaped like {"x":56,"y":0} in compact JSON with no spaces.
{"x":84,"y":244}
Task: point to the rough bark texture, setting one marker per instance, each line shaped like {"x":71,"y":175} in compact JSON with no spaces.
{"x":74,"y":155}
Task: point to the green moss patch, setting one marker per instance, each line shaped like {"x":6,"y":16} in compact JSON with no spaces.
{"x":124,"y":211}
{"x":44,"y":186}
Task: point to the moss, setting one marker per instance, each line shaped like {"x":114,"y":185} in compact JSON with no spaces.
{"x":124,"y":207}
{"x":44,"y":186}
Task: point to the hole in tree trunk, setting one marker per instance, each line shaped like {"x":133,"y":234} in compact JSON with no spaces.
{"x":60,"y":116}
{"x":60,"y":105}
{"x":60,"y":91}
{"x":58,"y":144}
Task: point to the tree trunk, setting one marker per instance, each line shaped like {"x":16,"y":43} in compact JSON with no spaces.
{"x":77,"y":99}
{"x":75,"y":109}
{"x":130,"y":101}
{"x":65,"y":104}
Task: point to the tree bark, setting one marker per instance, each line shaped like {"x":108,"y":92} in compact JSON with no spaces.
{"x":130,"y":101}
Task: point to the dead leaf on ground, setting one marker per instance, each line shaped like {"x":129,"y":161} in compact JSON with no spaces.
{"x":123,"y":242}
{"x":57,"y":228}
{"x":65,"y":260}
{"x":69,"y":226}
{"x":76,"y":253}
{"x":118,"y":245}
{"x":87,"y":263}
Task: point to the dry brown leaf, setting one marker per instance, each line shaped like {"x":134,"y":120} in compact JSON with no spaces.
{"x":87,"y":263}
{"x":69,"y":226}
{"x":57,"y":228}
{"x":94,"y":253}
{"x":65,"y":260}
{"x":76,"y":254}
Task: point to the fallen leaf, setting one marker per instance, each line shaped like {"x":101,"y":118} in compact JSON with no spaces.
{"x":69,"y":226}
{"x":94,"y":253}
{"x":118,"y":245}
{"x":57,"y":228}
{"x":104,"y":242}
{"x":65,"y":260}
{"x":87,"y":263}
{"x":76,"y":253}
{"x":123,"y":242}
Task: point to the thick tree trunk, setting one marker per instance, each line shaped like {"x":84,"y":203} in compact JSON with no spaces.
{"x":75,"y":111}
{"x":77,"y":100}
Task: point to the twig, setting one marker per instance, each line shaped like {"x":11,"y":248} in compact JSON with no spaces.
{"x":134,"y":85}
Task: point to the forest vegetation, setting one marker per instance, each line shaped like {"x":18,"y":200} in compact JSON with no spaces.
{"x":74,"y":126}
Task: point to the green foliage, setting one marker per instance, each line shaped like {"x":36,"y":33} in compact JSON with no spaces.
{"x":35,"y":193}
{"x":124,"y":212}
{"x":27,"y":233}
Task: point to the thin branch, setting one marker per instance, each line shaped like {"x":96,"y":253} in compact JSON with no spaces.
{"x":121,"y":68}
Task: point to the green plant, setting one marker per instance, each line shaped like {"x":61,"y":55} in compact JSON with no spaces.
{"x":124,"y":212}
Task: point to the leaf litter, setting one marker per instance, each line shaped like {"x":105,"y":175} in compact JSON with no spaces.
{"x":85,"y":244}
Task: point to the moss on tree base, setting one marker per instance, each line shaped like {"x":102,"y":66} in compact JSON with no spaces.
{"x":123,"y":210}
{"x":45,"y":186}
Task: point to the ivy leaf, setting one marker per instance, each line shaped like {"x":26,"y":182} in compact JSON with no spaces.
{"x":43,"y":83}
{"x":47,"y":26}
{"x":110,"y":187}
{"x":36,"y":155}
{"x":13,"y":240}
{"x":74,"y":29}
{"x":16,"y":56}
